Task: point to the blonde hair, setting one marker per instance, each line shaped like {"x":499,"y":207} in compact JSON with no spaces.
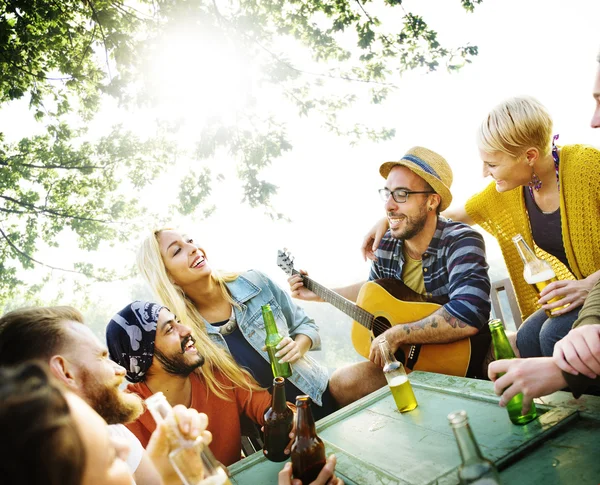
{"x":152,"y":268}
{"x":516,"y":125}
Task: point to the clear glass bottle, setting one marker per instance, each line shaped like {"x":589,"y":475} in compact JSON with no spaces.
{"x":537,"y":272}
{"x":192,"y":459}
{"x":475,"y":469}
{"x":397,"y":379}
{"x":503,"y":350}
{"x":273,"y":338}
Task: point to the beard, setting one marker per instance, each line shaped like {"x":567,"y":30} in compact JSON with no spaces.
{"x":176,"y":364}
{"x":110,"y":402}
{"x":413,"y":226}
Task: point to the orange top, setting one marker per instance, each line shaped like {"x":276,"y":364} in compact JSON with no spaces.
{"x":223,"y":415}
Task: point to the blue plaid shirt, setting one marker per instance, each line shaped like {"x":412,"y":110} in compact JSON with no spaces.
{"x":454,"y":266}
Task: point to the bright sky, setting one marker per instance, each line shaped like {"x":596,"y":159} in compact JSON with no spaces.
{"x":544,"y":48}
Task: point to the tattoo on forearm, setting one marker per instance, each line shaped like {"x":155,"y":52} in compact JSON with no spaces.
{"x":432,"y":321}
{"x":452,"y":321}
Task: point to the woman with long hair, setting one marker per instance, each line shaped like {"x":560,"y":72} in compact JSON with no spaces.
{"x":548,"y":194}
{"x":226,"y":308}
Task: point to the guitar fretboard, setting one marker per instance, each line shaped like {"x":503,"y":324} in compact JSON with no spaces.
{"x":349,"y":308}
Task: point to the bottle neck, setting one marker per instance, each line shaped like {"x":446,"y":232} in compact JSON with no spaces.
{"x":502,"y":347}
{"x":270,"y":325}
{"x":305,"y":424}
{"x":160,"y":408}
{"x":386,"y":352}
{"x":279,"y":404}
{"x":526,"y":253}
{"x":467,"y":446}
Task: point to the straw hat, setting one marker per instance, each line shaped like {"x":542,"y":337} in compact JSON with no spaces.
{"x":428,"y":165}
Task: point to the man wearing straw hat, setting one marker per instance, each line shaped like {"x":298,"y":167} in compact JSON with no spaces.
{"x":433,"y":256}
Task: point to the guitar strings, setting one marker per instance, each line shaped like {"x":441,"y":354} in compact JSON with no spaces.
{"x":371,"y":321}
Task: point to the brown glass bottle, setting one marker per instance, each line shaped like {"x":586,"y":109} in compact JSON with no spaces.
{"x":308,"y":451}
{"x":279,"y":420}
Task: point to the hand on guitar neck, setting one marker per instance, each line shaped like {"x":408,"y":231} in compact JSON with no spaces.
{"x":298,"y":289}
{"x":301,"y":292}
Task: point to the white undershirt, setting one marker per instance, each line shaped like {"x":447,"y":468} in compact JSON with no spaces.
{"x":136,"y":450}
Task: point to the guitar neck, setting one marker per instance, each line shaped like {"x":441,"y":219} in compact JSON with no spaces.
{"x":349,"y":308}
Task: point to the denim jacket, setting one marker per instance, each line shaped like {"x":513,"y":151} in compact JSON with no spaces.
{"x":253,"y":289}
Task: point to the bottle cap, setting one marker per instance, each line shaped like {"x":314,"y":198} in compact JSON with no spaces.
{"x":458,"y":418}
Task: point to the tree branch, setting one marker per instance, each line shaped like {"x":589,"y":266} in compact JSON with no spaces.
{"x":64,"y":167}
{"x":29,"y":73}
{"x":318,"y":74}
{"x":24,"y":254}
{"x":53,"y":212}
{"x":95,"y":17}
{"x":371,"y":20}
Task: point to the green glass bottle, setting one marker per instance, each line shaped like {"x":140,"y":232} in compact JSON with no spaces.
{"x":475,"y":469}
{"x":273,"y":338}
{"x":503,"y":350}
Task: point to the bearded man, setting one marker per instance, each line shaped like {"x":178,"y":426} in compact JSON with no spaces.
{"x":437,"y":258}
{"x":161,"y":355}
{"x":58,"y":337}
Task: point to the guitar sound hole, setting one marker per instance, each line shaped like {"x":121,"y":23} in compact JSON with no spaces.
{"x":380,"y":325}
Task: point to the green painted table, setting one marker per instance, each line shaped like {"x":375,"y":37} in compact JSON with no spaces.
{"x":375,"y":444}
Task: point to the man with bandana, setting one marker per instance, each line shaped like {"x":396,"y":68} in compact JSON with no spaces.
{"x":76,"y":358}
{"x":160,"y":354}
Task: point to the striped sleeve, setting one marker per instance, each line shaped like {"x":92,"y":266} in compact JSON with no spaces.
{"x":469,"y":282}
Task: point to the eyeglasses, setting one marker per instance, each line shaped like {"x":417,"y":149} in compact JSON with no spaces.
{"x":400,"y":195}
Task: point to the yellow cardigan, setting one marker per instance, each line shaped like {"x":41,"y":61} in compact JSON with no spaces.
{"x":504,"y":214}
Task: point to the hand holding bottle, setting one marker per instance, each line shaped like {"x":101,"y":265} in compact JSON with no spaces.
{"x":325,"y":477}
{"x":292,"y":350}
{"x":516,"y":404}
{"x":272,"y":341}
{"x":191,"y":459}
{"x":556,"y":295}
{"x":534,"y":377}
{"x":191,"y":424}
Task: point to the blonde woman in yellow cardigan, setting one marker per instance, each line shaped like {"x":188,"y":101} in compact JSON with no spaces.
{"x":550,"y":195}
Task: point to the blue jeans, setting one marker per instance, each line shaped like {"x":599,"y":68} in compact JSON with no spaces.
{"x":538,"y":334}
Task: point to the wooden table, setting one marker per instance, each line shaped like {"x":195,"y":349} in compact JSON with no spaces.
{"x":375,"y":444}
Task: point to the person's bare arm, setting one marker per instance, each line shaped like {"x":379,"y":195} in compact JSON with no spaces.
{"x":350,"y":292}
{"x":438,"y":328}
{"x":373,"y":238}
{"x":191,"y":425}
{"x":458,"y":214}
{"x":146,"y":473}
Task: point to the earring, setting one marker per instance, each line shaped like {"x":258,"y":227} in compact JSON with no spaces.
{"x":430,"y":209}
{"x":535,"y":182}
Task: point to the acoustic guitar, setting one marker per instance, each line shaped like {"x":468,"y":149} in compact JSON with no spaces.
{"x":382,"y":304}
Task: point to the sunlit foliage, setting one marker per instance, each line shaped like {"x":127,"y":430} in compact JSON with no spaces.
{"x":65,"y":57}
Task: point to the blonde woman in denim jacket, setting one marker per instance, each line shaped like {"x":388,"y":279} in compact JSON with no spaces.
{"x":227,"y":308}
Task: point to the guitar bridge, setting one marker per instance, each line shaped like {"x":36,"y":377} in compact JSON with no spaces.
{"x":413,"y":356}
